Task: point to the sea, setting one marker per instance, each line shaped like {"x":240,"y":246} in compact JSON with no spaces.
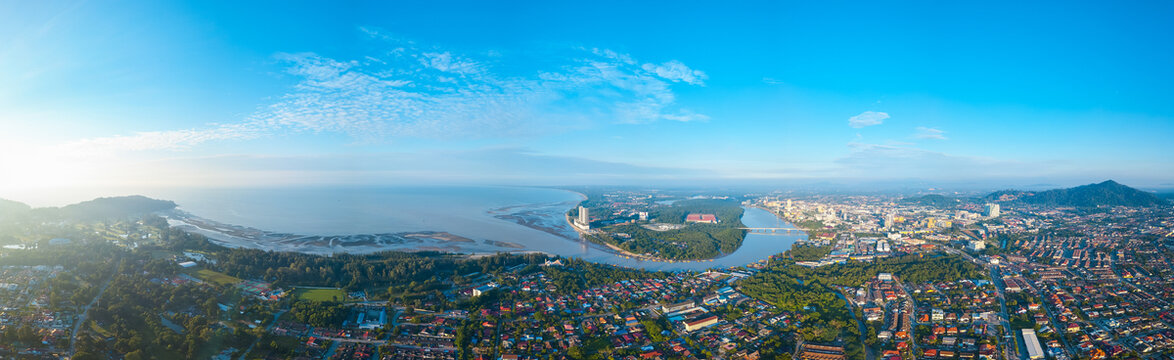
{"x":482,"y":219}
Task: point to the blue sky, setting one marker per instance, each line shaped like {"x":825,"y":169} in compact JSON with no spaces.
{"x":124,"y":94}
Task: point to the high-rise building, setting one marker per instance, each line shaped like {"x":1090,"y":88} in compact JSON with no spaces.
{"x":992,"y":210}
{"x":888,"y":220}
{"x":584,"y":217}
{"x":788,"y":205}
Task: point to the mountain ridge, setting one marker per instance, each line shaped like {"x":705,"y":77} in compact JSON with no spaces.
{"x":1106,"y":193}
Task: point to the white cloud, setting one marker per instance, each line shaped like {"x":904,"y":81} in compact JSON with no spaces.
{"x":929,"y":133}
{"x":685,"y":115}
{"x":624,"y":58}
{"x":867,"y":118}
{"x":411,"y":90}
{"x":446,"y":62}
{"x":676,"y":71}
{"x":166,"y":140}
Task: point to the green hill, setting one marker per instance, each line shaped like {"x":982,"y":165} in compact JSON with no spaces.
{"x":1108,"y":193}
{"x":110,"y":207}
{"x":12,"y":208}
{"x":940,"y":201}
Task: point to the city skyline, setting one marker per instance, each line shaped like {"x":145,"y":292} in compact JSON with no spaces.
{"x":108,"y":96}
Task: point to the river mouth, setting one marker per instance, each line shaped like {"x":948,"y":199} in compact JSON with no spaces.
{"x":469,"y":220}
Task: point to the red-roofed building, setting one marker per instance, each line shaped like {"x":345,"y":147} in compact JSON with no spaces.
{"x":701,"y":218}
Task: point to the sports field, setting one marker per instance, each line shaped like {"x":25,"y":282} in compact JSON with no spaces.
{"x":319,"y":294}
{"x":216,"y":277}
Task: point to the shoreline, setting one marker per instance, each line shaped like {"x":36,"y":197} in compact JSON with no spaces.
{"x":540,"y":216}
{"x":235,"y":236}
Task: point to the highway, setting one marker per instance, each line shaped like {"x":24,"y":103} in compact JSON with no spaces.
{"x":1009,"y":352}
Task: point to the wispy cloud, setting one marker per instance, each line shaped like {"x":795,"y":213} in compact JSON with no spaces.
{"x":772,"y":81}
{"x":929,"y":133}
{"x":867,"y":118}
{"x":413,"y":90}
{"x":676,"y":71}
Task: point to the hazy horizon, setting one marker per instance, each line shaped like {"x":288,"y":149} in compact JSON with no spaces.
{"x":907,"y":187}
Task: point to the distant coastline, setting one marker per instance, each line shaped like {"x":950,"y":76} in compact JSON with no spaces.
{"x":530,"y":218}
{"x":465,"y":220}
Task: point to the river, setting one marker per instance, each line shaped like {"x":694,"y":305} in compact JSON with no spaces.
{"x":454,"y":219}
{"x":755,"y":247}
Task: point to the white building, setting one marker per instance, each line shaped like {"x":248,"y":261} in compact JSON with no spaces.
{"x":992,"y":210}
{"x":976,"y":245}
{"x":477,"y":291}
{"x":584,"y":217}
{"x":1034,"y":350}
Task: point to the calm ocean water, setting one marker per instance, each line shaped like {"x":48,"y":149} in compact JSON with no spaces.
{"x":466,"y":211}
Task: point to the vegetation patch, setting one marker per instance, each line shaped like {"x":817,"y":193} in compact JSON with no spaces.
{"x":680,"y":240}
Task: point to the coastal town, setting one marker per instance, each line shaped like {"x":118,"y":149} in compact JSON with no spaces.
{"x":586,"y":180}
{"x":876,"y":277}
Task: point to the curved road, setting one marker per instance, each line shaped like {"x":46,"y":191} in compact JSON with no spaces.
{"x":85,"y":312}
{"x":267,"y":328}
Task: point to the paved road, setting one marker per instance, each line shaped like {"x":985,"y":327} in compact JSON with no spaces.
{"x":868,"y":354}
{"x":331,"y":350}
{"x":1009,"y":352}
{"x":267,"y":328}
{"x":1068,"y":348}
{"x":85,"y":312}
{"x":912,"y":316}
{"x":965,"y":255}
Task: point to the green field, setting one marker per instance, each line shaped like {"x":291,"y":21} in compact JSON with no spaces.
{"x":319,"y":294}
{"x":212,"y":276}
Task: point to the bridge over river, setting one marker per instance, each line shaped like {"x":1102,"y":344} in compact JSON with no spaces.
{"x":773,"y":230}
